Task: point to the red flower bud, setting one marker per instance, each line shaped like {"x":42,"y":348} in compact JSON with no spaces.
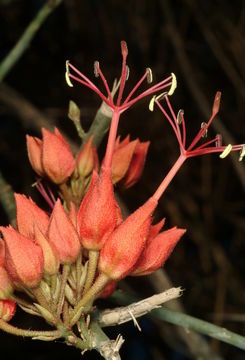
{"x":96,"y":216}
{"x":34,"y":150}
{"x":50,"y":254}
{"x":122,"y":157}
{"x":6,"y":286}
{"x":63,"y":235}
{"x":123,"y":248}
{"x":24,"y":258}
{"x":87,"y":159}
{"x":157,"y":251}
{"x":7,"y":309}
{"x":136,"y":165}
{"x":57,"y":159}
{"x":28,"y":214}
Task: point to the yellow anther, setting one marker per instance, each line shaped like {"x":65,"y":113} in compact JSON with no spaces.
{"x":68,"y":81}
{"x":149,"y":75}
{"x":96,"y":66}
{"x":127,"y":76}
{"x":173,"y":85}
{"x":242,"y":153}
{"x":152,"y":103}
{"x":179,"y":117}
{"x":204,"y":126}
{"x":226,"y":151}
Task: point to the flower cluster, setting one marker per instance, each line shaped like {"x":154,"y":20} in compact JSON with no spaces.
{"x":65,"y":259}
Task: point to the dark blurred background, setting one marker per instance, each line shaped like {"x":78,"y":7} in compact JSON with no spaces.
{"x":203,"y":43}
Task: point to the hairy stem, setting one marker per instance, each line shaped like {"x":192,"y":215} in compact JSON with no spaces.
{"x":92,"y":266}
{"x":29,"y":333}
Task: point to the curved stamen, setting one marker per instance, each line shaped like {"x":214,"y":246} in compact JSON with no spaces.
{"x":94,"y":88}
{"x":174,"y":118}
{"x":82,"y":75}
{"x":206,"y":144}
{"x":215,"y":109}
{"x":100,"y":73}
{"x":199,"y":135}
{"x":214,"y":149}
{"x":135,"y":88}
{"x":183,"y":128}
{"x":48,"y":198}
{"x":146,"y":93}
{"x":173,"y":125}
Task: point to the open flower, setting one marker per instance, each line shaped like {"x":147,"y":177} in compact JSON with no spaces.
{"x":51,"y":156}
{"x":120,"y":105}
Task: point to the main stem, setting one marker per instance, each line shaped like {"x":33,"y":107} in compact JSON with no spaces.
{"x":164,"y":184}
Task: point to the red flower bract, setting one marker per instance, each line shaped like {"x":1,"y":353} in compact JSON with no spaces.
{"x":63,"y":235}
{"x":97,"y":213}
{"x":28,"y":214}
{"x":157,"y":251}
{"x":51,"y":156}
{"x":57,"y":159}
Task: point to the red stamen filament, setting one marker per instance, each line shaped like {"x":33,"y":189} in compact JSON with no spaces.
{"x":173,"y":125}
{"x":123,"y":77}
{"x":135,"y":88}
{"x":156,"y":88}
{"x":175,"y":119}
{"x":104,"y":82}
{"x":49,"y":199}
{"x":183,"y":129}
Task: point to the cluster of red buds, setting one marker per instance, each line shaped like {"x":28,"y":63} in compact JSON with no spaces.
{"x":63,"y":260}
